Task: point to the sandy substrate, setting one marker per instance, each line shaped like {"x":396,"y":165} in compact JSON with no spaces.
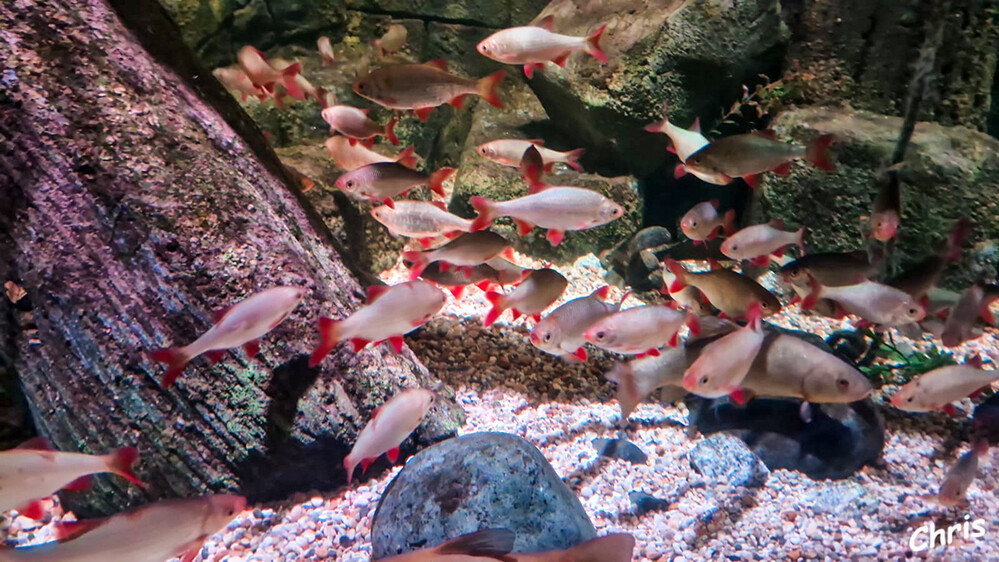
{"x":506,"y":385}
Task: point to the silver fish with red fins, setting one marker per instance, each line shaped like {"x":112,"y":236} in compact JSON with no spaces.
{"x":390,"y":425}
{"x":757,"y":242}
{"x":539,"y":289}
{"x":381,"y":181}
{"x":422,"y":220}
{"x":561,"y":332}
{"x":747,"y":156}
{"x":391,"y":41}
{"x":509,"y":152}
{"x":723,"y":364}
{"x":702,"y":222}
{"x":353,"y":156}
{"x":642,"y":330}
{"x":355,"y":124}
{"x":265,"y":76}
{"x":534,"y":45}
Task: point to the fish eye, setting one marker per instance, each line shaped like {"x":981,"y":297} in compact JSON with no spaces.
{"x":735,"y":247}
{"x":547,"y":337}
{"x":704,"y":380}
{"x":485,"y":48}
{"x":909,"y":400}
{"x":843,"y":384}
{"x":601,"y":335}
{"x":764,"y":305}
{"x":693,"y":223}
{"x":350,"y":184}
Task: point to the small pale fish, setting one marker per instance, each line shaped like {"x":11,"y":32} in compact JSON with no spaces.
{"x":954,"y":488}
{"x":747,"y":156}
{"x":641,"y":330}
{"x":265,"y":76}
{"x":422,"y":87}
{"x":510,"y":152}
{"x":923,"y":276}
{"x":241,"y":325}
{"x":886,"y":214}
{"x":961,"y":324}
{"x":618,"y":547}
{"x":464,"y":252}
{"x":235,"y":80}
{"x":724,"y":363}
{"x":702,"y":222}
{"x":391,"y":41}
{"x":539,"y":289}
{"x":636,"y":379}
{"x":757,"y":242}
{"x":557,"y":209}
{"x":422,"y":220}
{"x":830,"y":269}
{"x":939,"y":388}
{"x":871,"y":301}
{"x":390,"y":425}
{"x":157,"y":531}
{"x":561,"y":332}
{"x":531,"y":167}
{"x":382,"y":181}
{"x":306,"y":87}
{"x":687,"y":298}
{"x":325,"y":50}
{"x":34,"y":471}
{"x":387,"y":315}
{"x":685,"y":141}
{"x":788,"y":366}
{"x":487,"y":545}
{"x":534,"y":45}
{"x":355,"y":124}
{"x":726,"y":290}
{"x":350,"y":157}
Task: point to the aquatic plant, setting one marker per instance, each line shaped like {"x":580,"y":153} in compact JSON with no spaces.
{"x":892,"y":365}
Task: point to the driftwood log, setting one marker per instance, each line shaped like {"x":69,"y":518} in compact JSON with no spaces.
{"x":130,"y":209}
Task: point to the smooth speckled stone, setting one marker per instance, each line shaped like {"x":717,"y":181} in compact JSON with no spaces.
{"x":725,"y":459}
{"x":482,"y":480}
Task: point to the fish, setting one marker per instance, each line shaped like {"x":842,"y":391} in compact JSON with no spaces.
{"x":555,"y":208}
{"x":954,"y":488}
{"x":832,"y":269}
{"x":240,"y":325}
{"x":33,"y":471}
{"x":755,"y":243}
{"x":464,"y":252}
{"x":481,"y":546}
{"x":620,"y":449}
{"x":886,"y":213}
{"x":387,"y":315}
{"x":355,"y":124}
{"x":455,"y":281}
{"x":687,"y":298}
{"x":422,"y":220}
{"x":641,"y":330}
{"x":874,"y":302}
{"x":561,"y":332}
{"x":507,"y":271}
{"x":534,"y":45}
{"x":936,"y":390}
{"x":746,"y":156}
{"x":265,"y":76}
{"x":617,"y":547}
{"x":684,"y":143}
{"x":351,"y":157}
{"x":306,"y":87}
{"x":235,"y":80}
{"x":975,"y":303}
{"x":381,"y":181}
{"x":724,"y":363}
{"x":510,"y":152}
{"x":919,"y":279}
{"x":391,"y":41}
{"x":390,"y":425}
{"x":539,"y":289}
{"x":637,"y":378}
{"x":726,"y":290}
{"x":158,"y":531}
{"x":702,"y":222}
{"x":300,"y":178}
{"x":325,"y":50}
{"x":422,"y":87}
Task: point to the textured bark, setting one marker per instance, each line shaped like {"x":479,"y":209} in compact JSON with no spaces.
{"x":133,"y":210}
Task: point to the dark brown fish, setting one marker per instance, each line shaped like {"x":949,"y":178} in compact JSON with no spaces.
{"x":831,"y":269}
{"x":726,"y":290}
{"x":746,"y":156}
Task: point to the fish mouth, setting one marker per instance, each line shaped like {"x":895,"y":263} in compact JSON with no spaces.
{"x":689,"y":382}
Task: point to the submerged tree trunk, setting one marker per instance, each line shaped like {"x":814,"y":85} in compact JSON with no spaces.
{"x":131,"y":211}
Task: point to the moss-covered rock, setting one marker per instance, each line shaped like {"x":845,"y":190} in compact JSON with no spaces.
{"x":479,"y":176}
{"x":693,"y":55}
{"x":948,"y":172}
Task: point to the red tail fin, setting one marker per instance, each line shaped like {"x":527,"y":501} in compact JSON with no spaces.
{"x":729,"y":222}
{"x":754,"y":316}
{"x":593,"y":44}
{"x":679,"y":272}
{"x":407,"y":157}
{"x":329,"y":336}
{"x":419,"y":261}
{"x":693,"y":323}
{"x":572,"y":159}
{"x":288,"y":78}
{"x":484,"y":207}
{"x":175,"y":360}
{"x":487,"y":88}
{"x":818,"y":152}
{"x":390,"y":131}
{"x":436,"y":183}
{"x":660,"y":127}
{"x":120,"y":462}
{"x":813,"y":297}
{"x":496,"y":299}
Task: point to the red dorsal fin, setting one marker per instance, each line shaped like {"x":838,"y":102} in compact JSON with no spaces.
{"x":975,"y":361}
{"x":546,"y":22}
{"x":602,"y":292}
{"x":715,"y":264}
{"x":396,"y":342}
{"x":374,"y":292}
{"x":580,"y":353}
{"x":219,"y":314}
{"x":437,"y":63}
{"x":36,"y":444}
{"x":423,"y":113}
{"x":752,"y":180}
{"x":714,"y":203}
{"x":439,"y":204}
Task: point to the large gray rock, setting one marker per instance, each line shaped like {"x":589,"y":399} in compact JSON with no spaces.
{"x":948,"y":172}
{"x":482,"y":480}
{"x":724,"y":459}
